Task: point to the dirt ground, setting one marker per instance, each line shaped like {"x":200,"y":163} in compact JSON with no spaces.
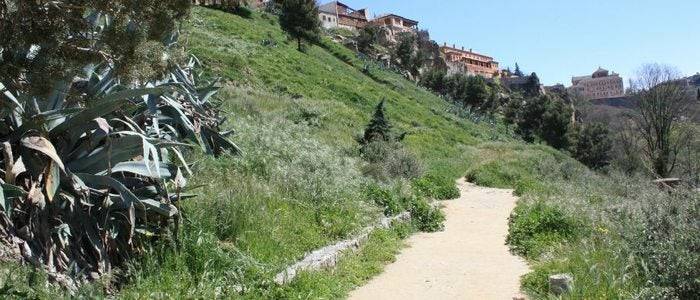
{"x":468,"y":260}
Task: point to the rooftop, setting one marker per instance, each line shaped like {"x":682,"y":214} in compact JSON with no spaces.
{"x":396,"y":16}
{"x":465,"y":51}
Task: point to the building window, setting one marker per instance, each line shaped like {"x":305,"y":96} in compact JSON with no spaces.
{"x":324,"y":18}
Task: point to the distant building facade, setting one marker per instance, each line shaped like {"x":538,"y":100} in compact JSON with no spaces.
{"x":395,"y":25}
{"x":600,"y":85}
{"x":470,"y":62}
{"x":339,"y":15}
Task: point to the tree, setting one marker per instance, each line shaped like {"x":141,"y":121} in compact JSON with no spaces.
{"x":368,"y":37}
{"x":592,"y":145}
{"x":477,"y":92}
{"x":378,"y":128}
{"x":435,"y":80}
{"x":299,"y":18}
{"x":532,"y":87}
{"x":545,"y":118}
{"x":518,"y":72}
{"x":661,"y":102}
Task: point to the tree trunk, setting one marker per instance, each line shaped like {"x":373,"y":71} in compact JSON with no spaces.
{"x":299,"y":44}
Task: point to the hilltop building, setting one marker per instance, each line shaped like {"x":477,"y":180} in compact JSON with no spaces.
{"x":469,"y":62}
{"x":339,"y":15}
{"x":600,"y":85}
{"x":395,"y":25}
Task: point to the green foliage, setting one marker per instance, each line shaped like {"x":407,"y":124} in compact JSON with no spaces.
{"x":542,"y":118}
{"x":368,"y":37}
{"x":517,"y":71}
{"x":534,"y":228}
{"x":437,"y":187}
{"x":299,"y":18}
{"x":390,"y":160}
{"x":425,"y":217}
{"x":133,"y":45}
{"x":667,"y":244}
{"x":94,"y":168}
{"x":379,"y":128}
{"x":592,"y":145}
{"x":435,"y":80}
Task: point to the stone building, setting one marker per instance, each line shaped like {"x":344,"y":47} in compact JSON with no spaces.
{"x":339,"y":15}
{"x":395,"y":25}
{"x":469,"y":62}
{"x":600,"y":85}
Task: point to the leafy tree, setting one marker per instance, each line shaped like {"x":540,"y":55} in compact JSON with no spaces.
{"x":436,"y":81}
{"x":299,"y":18}
{"x":378,"y":128}
{"x":477,"y":92}
{"x":532,"y":87}
{"x":545,"y":118}
{"x":469,"y":90}
{"x":368,"y":37}
{"x":518,"y":72}
{"x":592,"y":145}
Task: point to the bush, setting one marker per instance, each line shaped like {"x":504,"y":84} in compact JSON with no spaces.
{"x":387,"y":198}
{"x":389,"y":160}
{"x":437,"y":187}
{"x":669,"y":245}
{"x":534,"y":228}
{"x":592,"y":146}
{"x":544,"y":118}
{"x":425,"y":217}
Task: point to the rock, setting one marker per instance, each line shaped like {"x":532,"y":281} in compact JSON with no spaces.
{"x":519,"y":297}
{"x":560,"y":284}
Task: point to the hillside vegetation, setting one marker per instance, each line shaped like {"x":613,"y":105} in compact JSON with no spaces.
{"x":301,"y":183}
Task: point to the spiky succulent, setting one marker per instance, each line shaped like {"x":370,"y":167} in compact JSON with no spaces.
{"x":88,"y":155}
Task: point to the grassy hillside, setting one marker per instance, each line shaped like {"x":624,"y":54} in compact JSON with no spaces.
{"x":301,"y":184}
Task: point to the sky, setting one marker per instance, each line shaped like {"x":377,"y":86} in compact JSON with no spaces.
{"x":559,"y":39}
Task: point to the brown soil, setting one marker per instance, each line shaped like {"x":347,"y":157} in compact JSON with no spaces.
{"x":468,"y":260}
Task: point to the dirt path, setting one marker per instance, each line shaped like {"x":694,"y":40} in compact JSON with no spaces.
{"x":468,"y":260}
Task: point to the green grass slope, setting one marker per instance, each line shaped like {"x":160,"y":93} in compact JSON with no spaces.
{"x":300,"y":183}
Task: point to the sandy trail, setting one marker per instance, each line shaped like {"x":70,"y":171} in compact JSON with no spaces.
{"x":468,"y":260}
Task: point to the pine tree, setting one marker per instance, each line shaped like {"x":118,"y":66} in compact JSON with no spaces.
{"x":518,"y":72}
{"x":299,"y":18}
{"x":378,"y":128}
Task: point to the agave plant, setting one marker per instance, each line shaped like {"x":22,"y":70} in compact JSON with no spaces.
{"x":93,"y":167}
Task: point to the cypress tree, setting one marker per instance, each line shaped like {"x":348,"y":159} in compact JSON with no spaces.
{"x":378,"y":128}
{"x":518,"y":72}
{"x":299,"y":18}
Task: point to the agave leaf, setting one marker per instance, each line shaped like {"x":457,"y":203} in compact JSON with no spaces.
{"x":52,"y":181}
{"x":98,"y":182}
{"x":44,"y":146}
{"x":163,"y":209}
{"x":140,"y":168}
{"x":119,"y":149}
{"x":88,"y":115}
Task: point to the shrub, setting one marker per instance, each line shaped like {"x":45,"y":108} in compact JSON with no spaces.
{"x":542,"y":118}
{"x":669,"y":245}
{"x":386,"y":198}
{"x":379,"y":128}
{"x":437,"y":187}
{"x":425,"y":217}
{"x":535,"y":227}
{"x":388,"y":160}
{"x":592,"y":146}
